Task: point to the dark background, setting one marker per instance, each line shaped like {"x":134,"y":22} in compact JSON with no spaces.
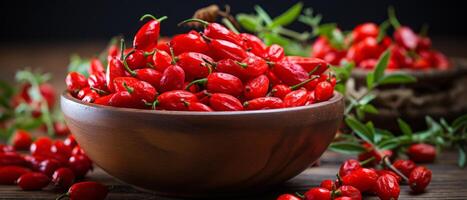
{"x":64,"y":20}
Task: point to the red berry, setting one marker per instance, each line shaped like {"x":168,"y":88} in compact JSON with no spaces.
{"x":387,"y":187}
{"x":224,"y":102}
{"x":404,"y":166}
{"x":365,"y":30}
{"x":48,"y":166}
{"x":296,"y":98}
{"x":87,"y":190}
{"x":21,"y":140}
{"x":318,"y":194}
{"x":343,"y":198}
{"x":9,"y":174}
{"x":41,"y":147}
{"x":70,"y":141}
{"x":33,"y":181}
{"x":422,"y":153}
{"x":175,"y":100}
{"x":63,"y":178}
{"x":384,"y":172}
{"x":328,"y":184}
{"x":61,"y":129}
{"x":324,"y":91}
{"x":348,"y":166}
{"x":363,"y":179}
{"x":12,"y":158}
{"x":80,"y":164}
{"x":419,"y":179}
{"x":349,"y":191}
{"x":75,"y":82}
{"x":288,"y":197}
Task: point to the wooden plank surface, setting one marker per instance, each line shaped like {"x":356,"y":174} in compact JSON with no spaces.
{"x":449,"y":182}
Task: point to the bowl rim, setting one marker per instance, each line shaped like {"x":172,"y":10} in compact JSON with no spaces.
{"x":336,"y":98}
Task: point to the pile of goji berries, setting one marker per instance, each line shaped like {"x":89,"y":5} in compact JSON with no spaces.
{"x":374,"y":174}
{"x":212,"y":70}
{"x":59,"y":163}
{"x":362,"y":46}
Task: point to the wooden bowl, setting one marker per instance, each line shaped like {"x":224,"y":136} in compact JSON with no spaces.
{"x":196,"y":154}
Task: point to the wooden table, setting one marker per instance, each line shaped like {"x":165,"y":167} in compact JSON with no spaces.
{"x":449,"y":182}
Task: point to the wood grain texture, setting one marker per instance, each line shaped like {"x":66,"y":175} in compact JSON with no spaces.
{"x":449,"y":182}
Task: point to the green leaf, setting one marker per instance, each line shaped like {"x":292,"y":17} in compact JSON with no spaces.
{"x":347,"y":147}
{"x":263,"y":15}
{"x":274,"y":38}
{"x":340,"y":88}
{"x":383,"y":28}
{"x":404,"y":127}
{"x":360,"y":129}
{"x":367,"y":99}
{"x":381,"y":65}
{"x":249,"y":22}
{"x":310,"y":20}
{"x":397,"y":78}
{"x":389,"y":144}
{"x":462,"y":157}
{"x":332,"y":33}
{"x":368,"y":108}
{"x":370,"y":80}
{"x":459,"y":122}
{"x":288,"y":16}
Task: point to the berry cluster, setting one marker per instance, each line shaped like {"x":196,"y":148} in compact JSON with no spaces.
{"x":354,"y":180}
{"x":59,"y":162}
{"x":212,"y":70}
{"x":368,"y":41}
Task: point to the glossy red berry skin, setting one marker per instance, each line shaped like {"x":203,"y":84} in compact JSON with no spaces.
{"x":256,"y":87}
{"x":63,"y":178}
{"x":48,"y":166}
{"x":80,"y":165}
{"x":387,"y":187}
{"x":21,"y":140}
{"x":149,"y":75}
{"x":324,"y":91}
{"x":365,"y":30}
{"x":199,"y":107}
{"x":95,"y":66}
{"x":161,"y":60}
{"x":97,"y":80}
{"x":405,"y":37}
{"x":135,"y":58}
{"x":224,"y":83}
{"x":274,"y":53}
{"x":87,"y":190}
{"x":422,"y":153}
{"x":224,"y":102}
{"x":60,"y":151}
{"x":175,"y":100}
{"x":252,"y":66}
{"x":280,"y":90}
{"x":296,"y":98}
{"x":9,"y":174}
{"x":290,"y":73}
{"x":419,"y":179}
{"x":318,"y":194}
{"x":173,"y":78}
{"x":363,"y":179}
{"x":328,"y":184}
{"x":189,"y":42}
{"x":12,"y":158}
{"x":343,"y":198}
{"x":348,"y":166}
{"x":253,"y":43}
{"x":218,"y":31}
{"x":263,"y":103}
{"x":195,"y":65}
{"x":33,"y":181}
{"x":404,"y":166}
{"x":387,"y":172}
{"x":75,"y":82}
{"x":146,"y":37}
{"x":349,"y":191}
{"x":115,"y":69}
{"x":223,"y":49}
{"x":315,"y":65}
{"x":41,"y":147}
{"x":288,"y":197}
